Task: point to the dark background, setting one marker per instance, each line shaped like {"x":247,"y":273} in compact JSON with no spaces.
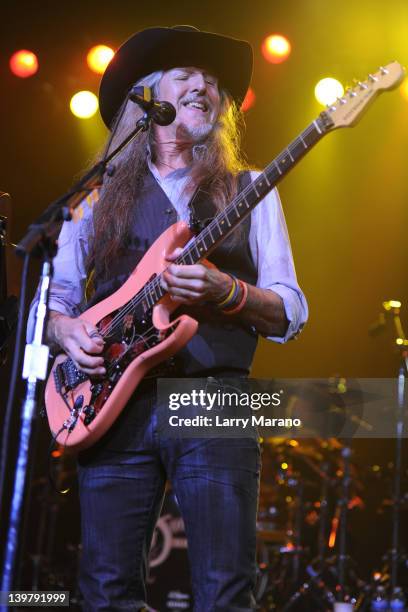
{"x":346,"y":204}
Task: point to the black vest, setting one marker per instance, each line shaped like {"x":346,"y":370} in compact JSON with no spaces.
{"x":221,"y":342}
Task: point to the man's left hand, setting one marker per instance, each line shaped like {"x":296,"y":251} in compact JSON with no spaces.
{"x":201,"y":282}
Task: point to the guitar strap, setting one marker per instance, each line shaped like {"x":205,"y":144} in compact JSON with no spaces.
{"x":201,"y":202}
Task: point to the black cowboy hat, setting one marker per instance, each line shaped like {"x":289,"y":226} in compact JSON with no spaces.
{"x":229,"y":59}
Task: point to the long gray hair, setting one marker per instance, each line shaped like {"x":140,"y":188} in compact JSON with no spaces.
{"x":216,"y":163}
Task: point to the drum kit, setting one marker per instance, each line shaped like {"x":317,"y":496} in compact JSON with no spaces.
{"x":312,"y":504}
{"x":299,"y":522}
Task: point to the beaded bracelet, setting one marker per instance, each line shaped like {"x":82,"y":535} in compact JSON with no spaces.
{"x":232,"y":295}
{"x":242,"y":302}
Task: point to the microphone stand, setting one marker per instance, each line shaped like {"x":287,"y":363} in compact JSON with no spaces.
{"x":342,"y":552}
{"x":41,"y":241}
{"x":394,"y":556}
{"x":396,"y":511}
{"x":8,"y":303}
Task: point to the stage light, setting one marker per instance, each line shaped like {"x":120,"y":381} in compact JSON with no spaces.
{"x":391,"y":304}
{"x":328,"y":90}
{"x":333,"y":532}
{"x":84,"y":104}
{"x":249,"y":100}
{"x":23,"y":63}
{"x":276,"y":48}
{"x":99,"y":57}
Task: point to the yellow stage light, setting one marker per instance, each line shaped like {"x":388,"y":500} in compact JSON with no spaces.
{"x":276,"y":48}
{"x":328,"y":90}
{"x":391,"y":304}
{"x":23,"y":63}
{"x":84,"y":104}
{"x":99,"y":57}
{"x":249,"y":100}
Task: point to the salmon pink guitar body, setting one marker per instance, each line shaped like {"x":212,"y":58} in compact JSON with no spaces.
{"x":137,"y":338}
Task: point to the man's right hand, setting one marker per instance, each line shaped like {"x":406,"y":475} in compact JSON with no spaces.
{"x":80,"y":340}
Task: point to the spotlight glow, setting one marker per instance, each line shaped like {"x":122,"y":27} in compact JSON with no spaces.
{"x":328,"y":90}
{"x":23,"y":63}
{"x":249,"y":100}
{"x":99,"y":57}
{"x":84,"y":104}
{"x":276,"y":48}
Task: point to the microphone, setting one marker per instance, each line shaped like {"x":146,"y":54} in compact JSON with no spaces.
{"x":162,"y":113}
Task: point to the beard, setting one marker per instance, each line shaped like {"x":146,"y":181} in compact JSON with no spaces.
{"x":197,"y":133}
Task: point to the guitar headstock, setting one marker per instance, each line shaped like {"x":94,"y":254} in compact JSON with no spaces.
{"x":346,"y":111}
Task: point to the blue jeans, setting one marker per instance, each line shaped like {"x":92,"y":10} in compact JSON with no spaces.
{"x":121,"y":484}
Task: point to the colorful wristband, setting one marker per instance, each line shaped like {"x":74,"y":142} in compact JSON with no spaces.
{"x":242,"y":302}
{"x":232,"y":295}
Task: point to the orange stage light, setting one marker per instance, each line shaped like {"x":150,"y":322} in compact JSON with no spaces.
{"x":276,"y":48}
{"x":99,"y":57}
{"x":333,"y":531}
{"x":249,"y":100}
{"x":23,"y":63}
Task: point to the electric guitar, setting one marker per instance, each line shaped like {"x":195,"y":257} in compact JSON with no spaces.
{"x":135,"y":320}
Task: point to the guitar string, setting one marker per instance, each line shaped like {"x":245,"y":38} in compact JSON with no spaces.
{"x":136,"y":300}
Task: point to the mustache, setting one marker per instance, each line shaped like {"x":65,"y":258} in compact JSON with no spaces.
{"x":201,"y":99}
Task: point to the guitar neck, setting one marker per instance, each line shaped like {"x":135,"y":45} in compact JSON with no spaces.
{"x":223,"y":224}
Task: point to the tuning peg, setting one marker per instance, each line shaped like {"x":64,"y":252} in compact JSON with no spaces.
{"x":362,"y":85}
{"x":342,"y":100}
{"x":372,"y":78}
{"x":331,"y":107}
{"x":383,"y":70}
{"x":350,"y":92}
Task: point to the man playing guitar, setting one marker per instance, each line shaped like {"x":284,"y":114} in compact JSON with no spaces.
{"x":191,"y":168}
